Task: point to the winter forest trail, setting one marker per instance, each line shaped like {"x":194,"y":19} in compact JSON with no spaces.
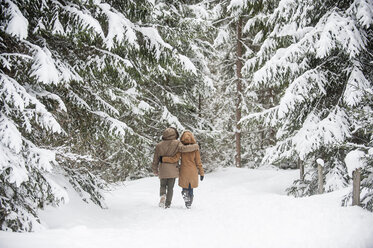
{"x":232,"y":208}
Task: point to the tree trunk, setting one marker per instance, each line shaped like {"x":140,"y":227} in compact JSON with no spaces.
{"x":239,"y":92}
{"x":356,"y":187}
{"x":199,"y":105}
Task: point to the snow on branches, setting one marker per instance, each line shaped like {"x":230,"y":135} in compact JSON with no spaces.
{"x":312,"y":53}
{"x":89,"y":78}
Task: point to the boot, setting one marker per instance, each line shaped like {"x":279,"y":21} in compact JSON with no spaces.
{"x":187,"y":198}
{"x":185,"y":195}
{"x":188,"y":204}
{"x":162,"y":201}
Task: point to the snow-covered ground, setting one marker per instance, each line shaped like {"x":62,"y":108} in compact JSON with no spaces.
{"x":232,"y":208}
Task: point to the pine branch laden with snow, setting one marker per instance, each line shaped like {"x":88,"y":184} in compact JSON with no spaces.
{"x":335,"y":177}
{"x":17,"y":100}
{"x":357,"y":87}
{"x":120,"y":28}
{"x":87,"y":185}
{"x":154,"y":41}
{"x":170,"y":119}
{"x":16,"y":24}
{"x":24,"y":166}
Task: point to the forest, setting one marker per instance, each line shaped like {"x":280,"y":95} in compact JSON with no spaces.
{"x":88,"y":86}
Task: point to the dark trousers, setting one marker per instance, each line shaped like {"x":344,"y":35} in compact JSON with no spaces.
{"x":167,"y":188}
{"x":189,"y":190}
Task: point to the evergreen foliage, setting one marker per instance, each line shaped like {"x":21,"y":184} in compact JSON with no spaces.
{"x":314,"y":55}
{"x":86,"y":89}
{"x":255,"y":136}
{"x":223,"y":102}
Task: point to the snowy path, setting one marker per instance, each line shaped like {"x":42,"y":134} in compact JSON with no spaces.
{"x":233,"y":208}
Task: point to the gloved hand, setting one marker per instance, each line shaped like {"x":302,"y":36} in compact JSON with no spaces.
{"x":160,"y":159}
{"x":201,"y":178}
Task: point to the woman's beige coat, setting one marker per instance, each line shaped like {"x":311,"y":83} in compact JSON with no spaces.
{"x":191,"y":163}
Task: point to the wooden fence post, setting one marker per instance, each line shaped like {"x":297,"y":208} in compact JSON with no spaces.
{"x":301,"y":169}
{"x":320,"y":166}
{"x":356,"y":187}
{"x":321,"y":179}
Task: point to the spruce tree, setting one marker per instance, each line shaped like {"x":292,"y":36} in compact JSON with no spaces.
{"x":313,"y":55}
{"x":233,"y":83}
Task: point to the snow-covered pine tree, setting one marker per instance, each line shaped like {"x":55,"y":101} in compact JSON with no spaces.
{"x":25,"y":164}
{"x":86,"y":89}
{"x":258,"y":136}
{"x":252,"y":134}
{"x":359,"y":97}
{"x":198,"y":31}
{"x":230,"y":22}
{"x":314,"y":53}
{"x":219,"y":106}
{"x":188,"y":29}
{"x":227,"y":101}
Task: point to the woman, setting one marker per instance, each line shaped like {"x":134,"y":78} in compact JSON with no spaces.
{"x":190,"y":167}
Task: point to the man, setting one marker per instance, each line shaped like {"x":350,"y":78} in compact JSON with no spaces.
{"x":168,"y":172}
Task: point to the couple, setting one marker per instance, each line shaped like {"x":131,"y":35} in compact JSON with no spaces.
{"x":166,"y":165}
